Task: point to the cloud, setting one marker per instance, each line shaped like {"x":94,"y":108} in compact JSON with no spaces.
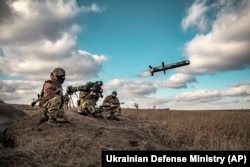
{"x":131,"y":88}
{"x":226,"y":46}
{"x":19,"y":91}
{"x":144,"y":74}
{"x":197,"y":95}
{"x":145,"y":88}
{"x":178,"y":80}
{"x":5,"y":12}
{"x":43,"y":33}
{"x":93,"y":8}
{"x":221,"y":44}
{"x":32,"y":20}
{"x":242,"y":89}
{"x":38,"y":36}
{"x":131,"y":93}
{"x":196,"y":16}
{"x":247,"y":99}
{"x":139,"y":89}
{"x":234,"y":97}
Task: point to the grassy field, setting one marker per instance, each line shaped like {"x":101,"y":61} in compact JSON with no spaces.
{"x":199,"y":130}
{"x":80,"y":142}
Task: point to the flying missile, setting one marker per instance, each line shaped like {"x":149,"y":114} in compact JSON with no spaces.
{"x":164,"y":67}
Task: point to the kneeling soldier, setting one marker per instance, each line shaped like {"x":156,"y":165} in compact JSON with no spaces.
{"x":111,"y":106}
{"x":51,"y":100}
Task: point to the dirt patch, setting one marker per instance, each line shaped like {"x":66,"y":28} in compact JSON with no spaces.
{"x":8,"y":115}
{"x":78,"y":143}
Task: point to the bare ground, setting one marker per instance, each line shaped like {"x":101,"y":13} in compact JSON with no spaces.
{"x":78,"y":143}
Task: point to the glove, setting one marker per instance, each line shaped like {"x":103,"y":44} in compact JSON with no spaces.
{"x":113,"y":105}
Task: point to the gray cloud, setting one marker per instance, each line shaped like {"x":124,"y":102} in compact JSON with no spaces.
{"x":131,"y":88}
{"x":16,"y":91}
{"x":241,"y":89}
{"x":226,"y":46}
{"x":32,"y":20}
{"x":196,"y":16}
{"x":5,"y":12}
{"x":222,"y":44}
{"x":178,"y":80}
{"x":41,"y":35}
{"x":38,"y":36}
{"x":144,"y":88}
{"x":199,"y":99}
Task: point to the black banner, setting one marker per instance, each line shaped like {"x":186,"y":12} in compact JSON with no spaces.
{"x":175,"y":158}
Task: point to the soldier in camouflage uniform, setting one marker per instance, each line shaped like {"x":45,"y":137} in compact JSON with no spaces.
{"x":51,"y":101}
{"x":111,"y":106}
{"x":88,"y":99}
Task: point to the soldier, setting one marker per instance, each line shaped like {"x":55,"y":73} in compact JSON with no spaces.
{"x":51,"y":100}
{"x":89,"y":98}
{"x":111,"y":106}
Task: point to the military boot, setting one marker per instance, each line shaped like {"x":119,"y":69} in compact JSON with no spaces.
{"x":42,"y":120}
{"x":97,"y":115}
{"x":54,"y":123}
{"x":83,"y":112}
{"x":113,"y":117}
{"x":62,"y":119}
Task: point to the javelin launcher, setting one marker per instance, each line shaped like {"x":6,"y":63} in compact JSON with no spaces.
{"x":164,"y":67}
{"x":96,"y":87}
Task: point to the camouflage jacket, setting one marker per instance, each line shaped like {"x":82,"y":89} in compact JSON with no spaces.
{"x":110,"y":99}
{"x":50,"y":90}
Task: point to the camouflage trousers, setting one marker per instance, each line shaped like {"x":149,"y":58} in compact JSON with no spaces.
{"x":87,"y":105}
{"x":108,"y":112}
{"x":66,"y":105}
{"x":52,"y":108}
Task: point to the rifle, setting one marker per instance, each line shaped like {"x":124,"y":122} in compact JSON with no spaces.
{"x":35,"y":101}
{"x":114,"y":105}
{"x":118,"y":103}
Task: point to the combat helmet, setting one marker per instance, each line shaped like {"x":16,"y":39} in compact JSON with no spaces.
{"x":114,"y":93}
{"x":59,"y":72}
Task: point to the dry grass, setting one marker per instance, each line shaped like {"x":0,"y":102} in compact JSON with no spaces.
{"x":199,"y":130}
{"x":80,"y":142}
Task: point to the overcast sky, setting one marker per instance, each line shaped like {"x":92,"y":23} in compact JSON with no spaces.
{"x":115,"y":41}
